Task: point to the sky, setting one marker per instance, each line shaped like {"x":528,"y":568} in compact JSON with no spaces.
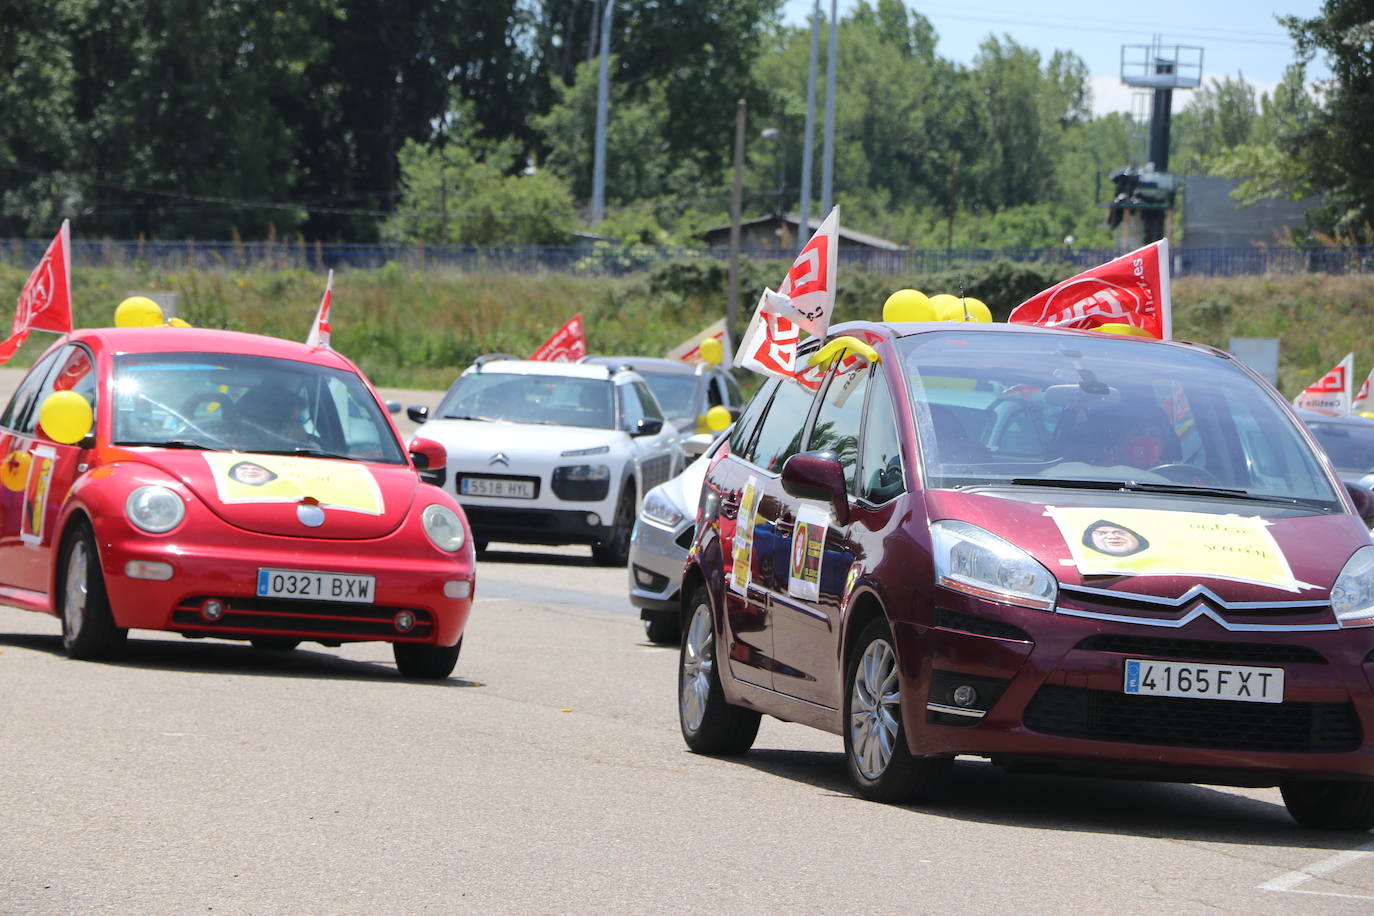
{"x":1236,"y":36}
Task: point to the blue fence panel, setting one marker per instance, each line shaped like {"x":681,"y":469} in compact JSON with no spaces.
{"x":614,"y":260}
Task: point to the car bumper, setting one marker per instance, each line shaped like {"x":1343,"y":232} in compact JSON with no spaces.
{"x":1051,"y":691}
{"x":657,"y":558}
{"x":437,"y":589}
{"x":537,"y":525}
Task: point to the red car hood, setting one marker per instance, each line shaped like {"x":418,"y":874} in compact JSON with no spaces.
{"x":1261,"y":556}
{"x":294,"y":496}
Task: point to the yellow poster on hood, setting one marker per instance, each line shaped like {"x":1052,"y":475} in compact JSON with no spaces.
{"x":249,"y":478}
{"x":1158,"y":542}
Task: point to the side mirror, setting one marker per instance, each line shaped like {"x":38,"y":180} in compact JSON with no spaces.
{"x":695,"y":446}
{"x":418,"y":413}
{"x":647,"y":426}
{"x":429,"y":458}
{"x":1364,"y":503}
{"x":819,"y":476}
{"x":393,"y":406}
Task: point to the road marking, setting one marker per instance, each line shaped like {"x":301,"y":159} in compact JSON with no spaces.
{"x":1290,"y":881}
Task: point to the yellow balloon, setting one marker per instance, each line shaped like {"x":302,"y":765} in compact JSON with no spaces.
{"x":138,"y":312}
{"x":712,"y":351}
{"x":175,"y":322}
{"x":966,"y":309}
{"x":14,"y":471}
{"x":718,"y":418}
{"x":947,"y":307}
{"x":908,"y":305}
{"x":1128,"y":329}
{"x":66,"y":417}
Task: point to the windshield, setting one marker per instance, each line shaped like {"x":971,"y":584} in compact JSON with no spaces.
{"x":676,"y":393}
{"x":551,"y":399}
{"x":1350,"y":446}
{"x":226,"y":402}
{"x":1029,"y":408}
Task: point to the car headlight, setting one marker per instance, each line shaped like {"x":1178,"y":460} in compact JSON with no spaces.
{"x":659,"y":508}
{"x":443,"y":527}
{"x":1352,"y":597}
{"x":586,"y":472}
{"x":155,"y":509}
{"x":977,"y":562}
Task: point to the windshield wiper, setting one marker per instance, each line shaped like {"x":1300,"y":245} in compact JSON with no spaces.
{"x":303,"y":452}
{"x":168,"y":443}
{"x":454,"y":416}
{"x":1139,"y":486}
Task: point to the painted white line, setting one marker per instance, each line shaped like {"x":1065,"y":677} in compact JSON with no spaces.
{"x":1290,"y":881}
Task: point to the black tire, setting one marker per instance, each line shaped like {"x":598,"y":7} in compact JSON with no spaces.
{"x":274,"y":643}
{"x":88,"y":625}
{"x":480,"y":546}
{"x":615,"y":550}
{"x":1330,"y":804}
{"x":665,"y":630}
{"x":426,"y":662}
{"x":709,"y":724}
{"x":875,"y":746}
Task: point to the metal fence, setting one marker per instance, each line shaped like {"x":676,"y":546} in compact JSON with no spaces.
{"x":616,"y":259}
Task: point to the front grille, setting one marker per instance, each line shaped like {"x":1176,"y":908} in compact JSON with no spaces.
{"x":1074,"y":712}
{"x":979,"y":626}
{"x":1199,"y":650}
{"x":316,"y":618}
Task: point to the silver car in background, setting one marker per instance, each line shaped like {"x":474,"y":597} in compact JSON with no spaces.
{"x":662,"y":534}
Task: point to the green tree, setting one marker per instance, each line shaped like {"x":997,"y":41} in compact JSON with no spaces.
{"x":1219,"y":117}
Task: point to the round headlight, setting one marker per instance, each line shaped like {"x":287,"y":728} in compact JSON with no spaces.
{"x":444,"y":527}
{"x":154,"y":509}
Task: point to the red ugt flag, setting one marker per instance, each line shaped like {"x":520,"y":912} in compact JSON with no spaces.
{"x":45,"y":302}
{"x":319,"y":334}
{"x":1133,"y":289}
{"x":1332,"y":391}
{"x":567,"y":345}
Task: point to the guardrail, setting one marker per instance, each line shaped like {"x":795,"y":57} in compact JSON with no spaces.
{"x":616,"y":259}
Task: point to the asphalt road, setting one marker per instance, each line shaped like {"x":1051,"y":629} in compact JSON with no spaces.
{"x":548,"y":776}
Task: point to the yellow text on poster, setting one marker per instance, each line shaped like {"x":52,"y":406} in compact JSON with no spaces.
{"x":249,"y":478}
{"x":744,"y":535}
{"x":1158,"y":542}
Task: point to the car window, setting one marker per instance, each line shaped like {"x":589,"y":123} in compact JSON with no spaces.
{"x":840,"y":415}
{"x":1000,"y":406}
{"x":744,"y":427}
{"x":631,"y":410}
{"x":73,"y":371}
{"x":19,"y":412}
{"x":881,"y":456}
{"x":715,"y":393}
{"x":647,"y":402}
{"x":733,"y":396}
{"x":676,"y":392}
{"x":234,"y":402}
{"x":516,"y":398}
{"x":1350,"y":446}
{"x":780,"y":431}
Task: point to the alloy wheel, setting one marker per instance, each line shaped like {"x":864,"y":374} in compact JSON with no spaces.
{"x":698,"y":661}
{"x":875,"y":706}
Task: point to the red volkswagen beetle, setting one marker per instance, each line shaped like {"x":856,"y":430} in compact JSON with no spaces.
{"x":1060,"y":549}
{"x":221,"y":484}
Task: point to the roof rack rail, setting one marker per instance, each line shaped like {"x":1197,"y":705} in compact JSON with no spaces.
{"x":485,"y":358}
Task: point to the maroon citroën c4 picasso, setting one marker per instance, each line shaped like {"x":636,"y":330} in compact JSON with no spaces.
{"x":1098,"y":553}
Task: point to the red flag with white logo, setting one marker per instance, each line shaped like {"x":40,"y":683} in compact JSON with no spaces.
{"x":770,"y":343}
{"x":567,"y":345}
{"x":1132,"y":289}
{"x":320,"y":331}
{"x":1331,"y":391}
{"x":45,"y":302}
{"x":1361,"y":401}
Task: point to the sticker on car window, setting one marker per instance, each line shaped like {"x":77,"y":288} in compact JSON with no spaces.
{"x":808,"y":546}
{"x":742,"y":549}
{"x":1157,"y":542}
{"x":246,"y":478}
{"x":36,"y":495}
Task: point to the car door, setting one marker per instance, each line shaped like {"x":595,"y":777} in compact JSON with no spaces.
{"x":39,"y":471}
{"x":815,"y":551}
{"x":657,"y":457}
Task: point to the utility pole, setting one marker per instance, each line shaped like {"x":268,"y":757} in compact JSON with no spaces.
{"x":808,"y":149}
{"x":736,"y":204}
{"x":828,"y":161}
{"x":603,"y":102}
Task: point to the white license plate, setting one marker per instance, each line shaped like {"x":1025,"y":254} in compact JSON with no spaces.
{"x":316,"y":586}
{"x":1211,"y":682}
{"x":508,"y":487}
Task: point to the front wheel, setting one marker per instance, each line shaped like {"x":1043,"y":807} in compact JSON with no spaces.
{"x":425,"y":662}
{"x":875,"y":748}
{"x":1330,"y":804}
{"x":615,"y":549}
{"x":88,"y":626}
{"x":709,"y":724}
{"x":665,"y":629}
